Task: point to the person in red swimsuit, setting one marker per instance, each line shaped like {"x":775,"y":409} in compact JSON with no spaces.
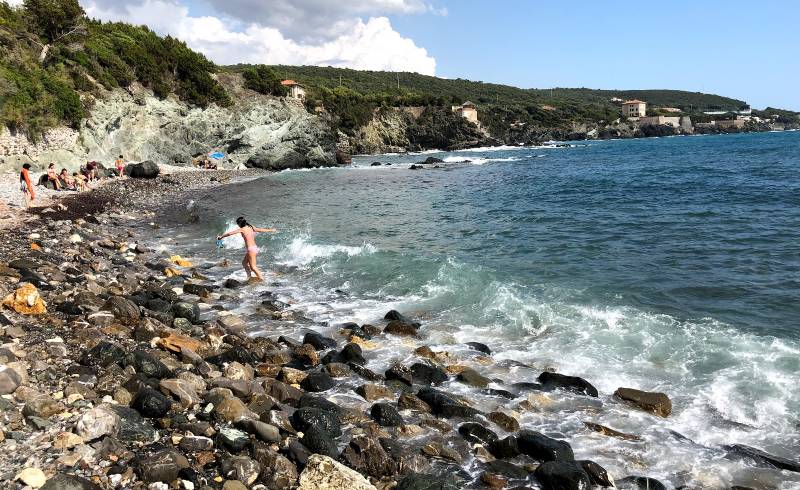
{"x":25,"y":185}
{"x":248,"y":233}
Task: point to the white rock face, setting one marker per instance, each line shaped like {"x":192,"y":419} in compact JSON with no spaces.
{"x":323,"y":473}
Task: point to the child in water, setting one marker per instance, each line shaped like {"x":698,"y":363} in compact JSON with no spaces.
{"x":248,"y":233}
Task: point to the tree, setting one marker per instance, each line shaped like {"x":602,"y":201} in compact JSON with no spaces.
{"x":263,"y":79}
{"x":53,"y":21}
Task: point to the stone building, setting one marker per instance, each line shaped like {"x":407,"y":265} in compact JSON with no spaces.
{"x":468,"y":111}
{"x":634,"y":108}
{"x":296,"y":91}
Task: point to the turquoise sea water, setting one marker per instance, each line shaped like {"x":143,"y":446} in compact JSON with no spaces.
{"x":668,"y":264}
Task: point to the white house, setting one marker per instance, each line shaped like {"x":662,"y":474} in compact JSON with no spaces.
{"x":296,"y":91}
{"x":468,"y":111}
{"x":634,"y":108}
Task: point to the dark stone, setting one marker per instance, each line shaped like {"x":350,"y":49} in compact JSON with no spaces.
{"x":418,"y":481}
{"x":351,"y":353}
{"x":483,"y":348}
{"x":139,"y":381}
{"x":760,"y":458}
{"x":476,"y":433}
{"x":527,"y":386}
{"x":427,"y":374}
{"x":431,"y":161}
{"x":297,"y":453}
{"x":151,"y":403}
{"x":69,"y":308}
{"x":146,"y":364}
{"x":655,"y":403}
{"x":232,"y":439}
{"x":386,"y":415}
{"x":318,"y":341}
{"x":189,"y":311}
{"x":399,"y":327}
{"x":473,"y":378}
{"x":400,"y":373}
{"x":103,"y":354}
{"x":133,"y":427}
{"x":365,"y":373}
{"x":562,"y":475}
{"x":144,"y":170}
{"x":319,"y":442}
{"x":367,"y":456}
{"x":543,"y":448}
{"x":311,"y":401}
{"x":304,"y":418}
{"x":395,"y":315}
{"x":444,"y":405}
{"x":160,"y":466}
{"x":597,"y":474}
{"x":242,"y":356}
{"x":317,"y":381}
{"x":68,"y":482}
{"x":233,"y":284}
{"x":500,"y":393}
{"x":124,"y":310}
{"x":573,"y":384}
{"x":640,"y":483}
{"x":197,"y":289}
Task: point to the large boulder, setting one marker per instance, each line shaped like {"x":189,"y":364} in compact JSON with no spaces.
{"x":144,"y":170}
{"x":323,"y":473}
{"x":554,"y":381}
{"x":540,"y":447}
{"x":655,"y":403}
{"x":562,"y":475}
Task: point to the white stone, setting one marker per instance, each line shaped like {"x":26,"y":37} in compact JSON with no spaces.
{"x":33,"y":477}
{"x":75,"y":238}
{"x":96,"y":423}
{"x":323,"y":473}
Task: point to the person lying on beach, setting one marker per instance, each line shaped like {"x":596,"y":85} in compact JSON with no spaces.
{"x":52,"y":177}
{"x":248,"y":233}
{"x":80,"y":181}
{"x":25,"y":185}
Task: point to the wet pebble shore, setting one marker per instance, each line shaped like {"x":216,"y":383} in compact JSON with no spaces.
{"x":120,"y":368}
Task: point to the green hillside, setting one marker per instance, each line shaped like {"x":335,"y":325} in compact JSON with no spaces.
{"x":352,"y":95}
{"x":51,"y":55}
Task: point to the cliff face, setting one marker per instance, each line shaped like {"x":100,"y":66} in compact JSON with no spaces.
{"x":256,"y":131}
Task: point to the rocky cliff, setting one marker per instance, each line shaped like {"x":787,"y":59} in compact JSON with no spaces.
{"x":256,"y":131}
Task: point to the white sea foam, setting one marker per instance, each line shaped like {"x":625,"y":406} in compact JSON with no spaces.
{"x":301,"y":251}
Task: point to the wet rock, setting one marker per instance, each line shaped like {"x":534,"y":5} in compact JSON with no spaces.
{"x":607,"y":431}
{"x":597,"y":474}
{"x":197,"y":289}
{"x":151,"y":403}
{"x":418,"y":481}
{"x":317,"y":382}
{"x":96,"y":423}
{"x":395,"y":315}
{"x":473,"y":378}
{"x":401,"y":328}
{"x":189,"y":311}
{"x":304,"y":418}
{"x":365,"y":373}
{"x":410,"y":401}
{"x":505,"y":468}
{"x":9,"y":380}
{"x":351,"y":354}
{"x":337,"y":370}
{"x":386,"y":415}
{"x":232,"y":439}
{"x":554,"y":381}
{"x":444,"y":405}
{"x":562,"y":475}
{"x":372,"y":392}
{"x":318,"y":441}
{"x":476,"y":433}
{"x":306,"y":355}
{"x":482,"y":348}
{"x":147,"y":364}
{"x":655,"y":403}
{"x":124,"y":310}
{"x":160,"y":466}
{"x":319,"y":341}
{"x":233,"y":284}
{"x":324,"y":473}
{"x":504,"y":420}
{"x":493,"y":480}
{"x":400,"y":373}
{"x":367,"y":456}
{"x":543,"y":448}
{"x":69,"y":482}
{"x":427,"y":374}
{"x":640,"y":483}
{"x":241,"y":468}
{"x":760,"y":458}
{"x":277,"y":472}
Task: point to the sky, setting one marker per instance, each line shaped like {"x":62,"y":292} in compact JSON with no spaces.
{"x":737,"y":48}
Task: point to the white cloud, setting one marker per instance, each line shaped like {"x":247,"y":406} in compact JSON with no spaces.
{"x":372,"y":44}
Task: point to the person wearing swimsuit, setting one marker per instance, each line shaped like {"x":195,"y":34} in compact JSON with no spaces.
{"x":248,"y":233}
{"x":25,"y":185}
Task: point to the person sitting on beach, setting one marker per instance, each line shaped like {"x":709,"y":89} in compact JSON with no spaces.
{"x":208,"y":165}
{"x":119,"y":164}
{"x":80,"y":181}
{"x":52,"y":177}
{"x":69,"y":182}
{"x":25,"y":185}
{"x":248,"y":233}
{"x":90,"y":171}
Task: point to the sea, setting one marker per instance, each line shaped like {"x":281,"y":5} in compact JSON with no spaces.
{"x":662,"y":264}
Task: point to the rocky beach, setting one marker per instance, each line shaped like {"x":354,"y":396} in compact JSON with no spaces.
{"x":123,"y":368}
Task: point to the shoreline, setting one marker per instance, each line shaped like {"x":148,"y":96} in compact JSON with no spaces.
{"x":127,"y":354}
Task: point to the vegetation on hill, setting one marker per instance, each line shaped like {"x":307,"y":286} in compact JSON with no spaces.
{"x":50,"y":53}
{"x":353,"y":95}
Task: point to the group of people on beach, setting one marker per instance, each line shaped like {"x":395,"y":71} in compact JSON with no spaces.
{"x":60,"y":181}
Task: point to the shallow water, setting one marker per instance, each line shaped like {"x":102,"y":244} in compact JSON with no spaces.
{"x":664,"y":264}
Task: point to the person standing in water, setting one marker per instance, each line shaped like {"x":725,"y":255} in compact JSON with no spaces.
{"x":248,"y":233}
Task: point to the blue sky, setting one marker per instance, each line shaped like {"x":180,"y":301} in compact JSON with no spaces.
{"x":746,"y":50}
